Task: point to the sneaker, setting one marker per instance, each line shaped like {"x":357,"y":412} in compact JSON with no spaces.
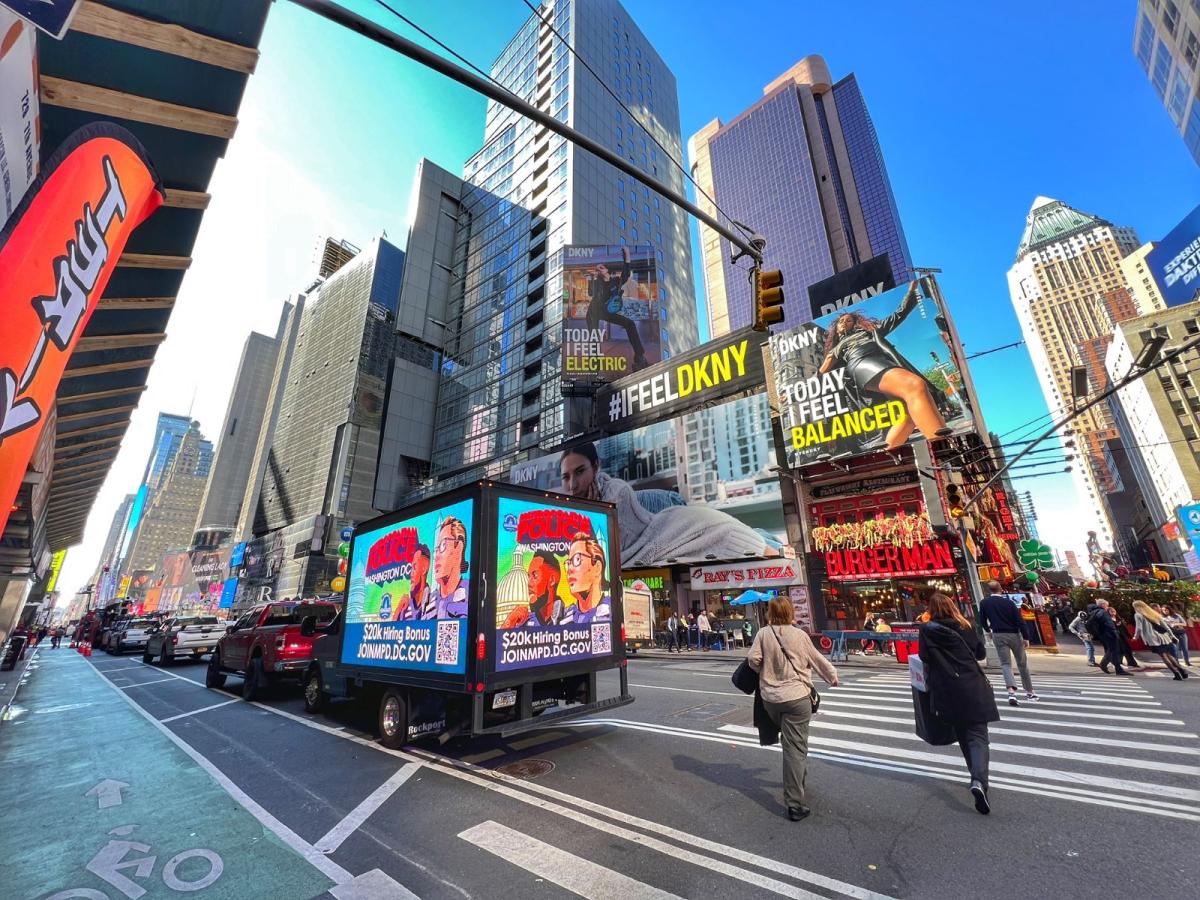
{"x":981,"y":798}
{"x":1093,"y":664}
{"x":1032,"y":698}
{"x":1012,"y":700}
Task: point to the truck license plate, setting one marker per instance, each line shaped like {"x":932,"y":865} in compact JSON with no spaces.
{"x":201,"y":649}
{"x":504,"y":699}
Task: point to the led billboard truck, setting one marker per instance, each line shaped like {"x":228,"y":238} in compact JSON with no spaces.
{"x":487,"y":609}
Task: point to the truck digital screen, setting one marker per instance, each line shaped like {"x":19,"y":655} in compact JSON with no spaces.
{"x":553,"y":596}
{"x":407,"y":595}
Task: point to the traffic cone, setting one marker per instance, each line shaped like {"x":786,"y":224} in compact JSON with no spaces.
{"x":87,"y":649}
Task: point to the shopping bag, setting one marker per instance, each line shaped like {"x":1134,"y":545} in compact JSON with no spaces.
{"x":929,"y":727}
{"x":916,"y":672}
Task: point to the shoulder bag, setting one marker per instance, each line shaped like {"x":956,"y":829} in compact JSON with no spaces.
{"x":816,"y":698}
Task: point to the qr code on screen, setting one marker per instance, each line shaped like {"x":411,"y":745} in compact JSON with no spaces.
{"x":601,"y":639}
{"x":446,"y":652}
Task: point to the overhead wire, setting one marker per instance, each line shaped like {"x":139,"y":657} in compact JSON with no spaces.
{"x":536,"y":10}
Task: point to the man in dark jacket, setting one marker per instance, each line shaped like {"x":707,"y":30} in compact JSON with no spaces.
{"x":1108,"y":637}
{"x":1002,"y":619}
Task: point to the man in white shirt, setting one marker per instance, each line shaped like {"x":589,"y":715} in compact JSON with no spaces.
{"x":705,"y":630}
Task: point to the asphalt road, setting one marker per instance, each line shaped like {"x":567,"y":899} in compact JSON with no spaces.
{"x":1093,"y":788}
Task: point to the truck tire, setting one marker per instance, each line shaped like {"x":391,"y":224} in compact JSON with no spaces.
{"x":314,"y":691}
{"x":214,"y":678}
{"x":393,"y":719}
{"x":254,"y":680}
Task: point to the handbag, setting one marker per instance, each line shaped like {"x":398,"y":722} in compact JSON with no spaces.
{"x":615,"y":305}
{"x":816,"y":698}
{"x":745,"y":679}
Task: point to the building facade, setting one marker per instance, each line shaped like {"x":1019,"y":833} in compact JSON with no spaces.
{"x":802,"y":166}
{"x":319,"y":471}
{"x":170,"y":516}
{"x":1143,"y":287}
{"x":1159,"y":420}
{"x":1166,"y":42}
{"x":1068,"y":290}
{"x":221,"y":504}
{"x":483,"y":286}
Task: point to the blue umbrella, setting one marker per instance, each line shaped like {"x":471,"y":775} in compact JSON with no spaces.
{"x":748,"y":597}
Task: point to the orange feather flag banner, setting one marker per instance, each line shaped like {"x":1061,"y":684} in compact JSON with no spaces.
{"x":57,"y":252}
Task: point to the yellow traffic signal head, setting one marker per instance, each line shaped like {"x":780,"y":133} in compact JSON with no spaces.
{"x":768,"y":299}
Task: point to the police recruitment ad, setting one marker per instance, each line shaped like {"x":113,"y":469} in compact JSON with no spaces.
{"x":869,"y":377}
{"x":408,"y":593}
{"x":554,"y":592}
{"x":690,"y":489}
{"x":611,"y":312}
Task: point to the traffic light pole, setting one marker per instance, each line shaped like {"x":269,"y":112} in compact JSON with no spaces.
{"x":380,"y":35}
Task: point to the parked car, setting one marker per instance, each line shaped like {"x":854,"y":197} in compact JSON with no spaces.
{"x":265,"y":645}
{"x":183,"y":636}
{"x":131,"y":634}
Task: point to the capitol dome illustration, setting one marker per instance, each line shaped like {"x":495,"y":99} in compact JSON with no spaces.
{"x":513,"y":589}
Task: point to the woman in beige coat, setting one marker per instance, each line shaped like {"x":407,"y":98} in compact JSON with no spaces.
{"x":784,"y":658}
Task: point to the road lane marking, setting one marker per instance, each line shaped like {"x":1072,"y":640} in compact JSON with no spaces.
{"x":125,"y":687}
{"x":314,"y":857}
{"x":574,"y":873}
{"x":1072,"y":702}
{"x":122,"y":669}
{"x":373,"y":885}
{"x":1043,"y":735}
{"x":1078,"y":694}
{"x":524,"y":792}
{"x":1097,"y":758}
{"x":197,"y":711}
{"x":357,"y":816}
{"x":1033,"y":710}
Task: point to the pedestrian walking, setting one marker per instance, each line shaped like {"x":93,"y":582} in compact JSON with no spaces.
{"x":1126,"y":648}
{"x":705,"y":630}
{"x":673,"y":634}
{"x":959,"y":691}
{"x":784,"y":657}
{"x":1152,"y":631}
{"x":1079,"y":629}
{"x":1175,"y":619}
{"x":1105,"y":630}
{"x":1002,"y":619}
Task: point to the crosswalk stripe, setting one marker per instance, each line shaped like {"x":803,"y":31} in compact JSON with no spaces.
{"x":576,"y":874}
{"x":1091,"y":689}
{"x":1100,"y":683}
{"x":1031,"y":709}
{"x":1041,"y":735}
{"x":1100,"y":759}
{"x":830,"y":748}
{"x":1067,"y":701}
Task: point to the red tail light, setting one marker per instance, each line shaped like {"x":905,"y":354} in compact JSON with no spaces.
{"x":481,"y":647}
{"x":622,"y":632}
{"x":175,"y":639}
{"x":479,"y":687}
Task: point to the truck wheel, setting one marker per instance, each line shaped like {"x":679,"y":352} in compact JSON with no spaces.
{"x":393,"y":719}
{"x":213,"y":676}
{"x":253,"y":682}
{"x":314,"y":691}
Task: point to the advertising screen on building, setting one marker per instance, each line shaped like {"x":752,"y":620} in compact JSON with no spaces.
{"x":553,"y":587}
{"x":687,"y":490}
{"x":611,"y":312}
{"x":870,"y":377}
{"x":1175,"y":261}
{"x":868,"y":279}
{"x":408,"y":593}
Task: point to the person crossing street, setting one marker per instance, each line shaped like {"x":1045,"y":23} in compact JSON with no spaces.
{"x":1002,"y":620}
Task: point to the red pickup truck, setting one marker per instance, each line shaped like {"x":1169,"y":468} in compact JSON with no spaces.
{"x":265,"y":644}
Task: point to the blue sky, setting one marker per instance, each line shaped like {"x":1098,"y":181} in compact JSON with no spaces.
{"x":979,"y":108}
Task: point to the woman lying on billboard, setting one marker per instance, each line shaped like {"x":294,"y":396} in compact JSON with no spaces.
{"x":859,"y":343}
{"x":684,"y":533}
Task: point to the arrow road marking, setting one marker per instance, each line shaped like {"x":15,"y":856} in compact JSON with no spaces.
{"x":107,"y":792}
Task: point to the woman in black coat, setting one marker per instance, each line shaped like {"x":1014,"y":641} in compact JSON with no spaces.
{"x":959,"y":692}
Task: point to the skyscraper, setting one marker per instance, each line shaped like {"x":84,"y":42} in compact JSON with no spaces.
{"x":1068,"y":290}
{"x":231,"y":468}
{"x":1166,"y":41}
{"x":320,"y":468}
{"x":168,"y":434}
{"x":485,"y":271}
{"x":170,"y":515}
{"x":802,"y":166}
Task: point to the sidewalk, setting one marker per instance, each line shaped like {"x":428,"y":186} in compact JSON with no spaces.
{"x":102,"y":800}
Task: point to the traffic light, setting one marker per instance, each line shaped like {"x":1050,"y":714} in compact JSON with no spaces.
{"x":768,"y":298}
{"x":956,"y":504}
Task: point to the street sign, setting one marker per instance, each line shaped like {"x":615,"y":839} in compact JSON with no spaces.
{"x":51,"y":16}
{"x":1035,"y":555}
